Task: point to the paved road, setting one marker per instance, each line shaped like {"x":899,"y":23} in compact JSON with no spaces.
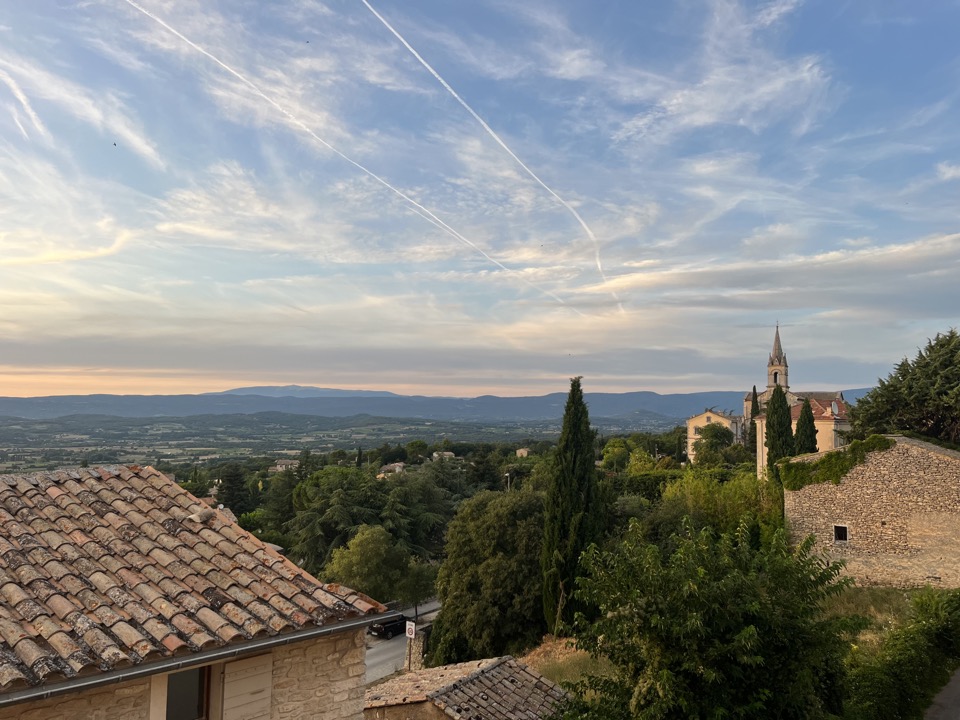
{"x":385,"y":657}
{"x":946,"y":705}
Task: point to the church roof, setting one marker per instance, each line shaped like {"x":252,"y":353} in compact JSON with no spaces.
{"x":777,"y":357}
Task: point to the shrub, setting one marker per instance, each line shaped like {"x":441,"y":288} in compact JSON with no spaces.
{"x":911,"y":665}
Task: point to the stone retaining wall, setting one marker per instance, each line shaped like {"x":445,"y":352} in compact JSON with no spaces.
{"x":901,"y":509}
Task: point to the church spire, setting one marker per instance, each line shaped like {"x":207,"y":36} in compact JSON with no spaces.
{"x":777,"y":365}
{"x":777,"y":357}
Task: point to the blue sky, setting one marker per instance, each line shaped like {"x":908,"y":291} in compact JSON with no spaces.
{"x":460,"y":198}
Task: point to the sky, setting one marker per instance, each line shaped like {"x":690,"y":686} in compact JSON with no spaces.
{"x":468,"y":198}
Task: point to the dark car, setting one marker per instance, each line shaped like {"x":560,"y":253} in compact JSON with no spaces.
{"x":389,"y":628}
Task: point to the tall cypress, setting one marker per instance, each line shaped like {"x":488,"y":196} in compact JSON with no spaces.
{"x":752,"y":432}
{"x":572,"y":514}
{"x":805,"y":438}
{"x":779,"y":432}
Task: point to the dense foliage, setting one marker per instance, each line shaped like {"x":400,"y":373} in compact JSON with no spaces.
{"x":716,"y":447}
{"x":718,"y":628}
{"x":371,"y":562}
{"x":832,"y":466}
{"x":912,"y":664}
{"x":572,"y":513}
{"x":490,"y":598}
{"x":922,"y":395}
{"x":805,"y":436}
{"x":333,"y":503}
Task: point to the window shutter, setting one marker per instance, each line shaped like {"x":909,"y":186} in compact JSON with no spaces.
{"x":246,"y":688}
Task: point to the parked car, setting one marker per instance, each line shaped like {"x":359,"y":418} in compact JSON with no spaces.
{"x":390,"y":628}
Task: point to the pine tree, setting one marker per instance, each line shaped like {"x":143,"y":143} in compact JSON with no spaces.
{"x":805,"y":437}
{"x":779,"y":433}
{"x":233,"y":492}
{"x":572,"y":516}
{"x":752,"y":432}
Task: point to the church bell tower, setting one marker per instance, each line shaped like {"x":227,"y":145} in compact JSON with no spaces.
{"x":777,"y":365}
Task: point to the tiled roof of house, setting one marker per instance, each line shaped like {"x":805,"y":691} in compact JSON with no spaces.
{"x":105,"y":568}
{"x":822,"y":404}
{"x":494,"y":689}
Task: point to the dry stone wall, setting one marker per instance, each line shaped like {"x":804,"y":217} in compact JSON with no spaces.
{"x":901,"y":511}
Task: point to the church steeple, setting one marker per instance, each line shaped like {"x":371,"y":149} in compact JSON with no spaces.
{"x":777,"y":365}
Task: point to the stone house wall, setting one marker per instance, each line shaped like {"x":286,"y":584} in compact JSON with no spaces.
{"x":901,"y":511}
{"x":425,"y":710}
{"x":123,"y":701}
{"x":320,"y":679}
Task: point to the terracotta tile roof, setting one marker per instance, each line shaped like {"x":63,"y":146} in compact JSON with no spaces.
{"x":494,"y":689}
{"x":822,"y":405}
{"x":104,"y":568}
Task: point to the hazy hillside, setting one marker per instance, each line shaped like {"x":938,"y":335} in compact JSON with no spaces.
{"x":325,"y":402}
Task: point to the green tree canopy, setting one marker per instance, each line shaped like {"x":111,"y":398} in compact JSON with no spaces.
{"x":805,"y":436}
{"x":716,"y":629}
{"x":490,"y":599}
{"x":779,"y":429}
{"x":233,"y":492}
{"x":615,"y":454}
{"x":331,"y":505}
{"x":371,"y":563}
{"x":572,"y":515}
{"x":921,"y":396}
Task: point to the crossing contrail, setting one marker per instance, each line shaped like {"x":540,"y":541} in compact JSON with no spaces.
{"x":497,"y":139}
{"x":418,"y":208}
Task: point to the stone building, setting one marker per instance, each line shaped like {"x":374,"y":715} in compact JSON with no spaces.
{"x":123,"y":597}
{"x":493,"y":689}
{"x":830,"y":409}
{"x":895,"y":519}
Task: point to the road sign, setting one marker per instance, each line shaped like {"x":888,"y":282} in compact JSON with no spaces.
{"x":411,"y":629}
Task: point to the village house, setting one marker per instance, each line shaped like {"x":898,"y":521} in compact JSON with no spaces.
{"x":123,"y":597}
{"x":894,"y":519}
{"x":284,"y":464}
{"x":695,"y":426}
{"x":493,"y":689}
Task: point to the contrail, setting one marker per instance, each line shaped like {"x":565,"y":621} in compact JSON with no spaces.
{"x":418,"y":208}
{"x":497,"y":139}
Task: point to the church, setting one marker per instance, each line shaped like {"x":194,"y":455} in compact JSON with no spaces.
{"x":830,"y":410}
{"x":830,"y":415}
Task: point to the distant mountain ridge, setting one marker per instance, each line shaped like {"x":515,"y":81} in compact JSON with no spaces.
{"x":328,"y":402}
{"x":301,"y":391}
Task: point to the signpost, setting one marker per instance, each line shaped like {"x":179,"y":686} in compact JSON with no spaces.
{"x":411,"y":633}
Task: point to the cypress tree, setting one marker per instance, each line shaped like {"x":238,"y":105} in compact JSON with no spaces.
{"x":752,"y":433}
{"x":779,"y":433}
{"x":805,"y":438}
{"x":572,"y":513}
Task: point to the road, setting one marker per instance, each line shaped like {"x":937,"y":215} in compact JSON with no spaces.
{"x":385,"y":657}
{"x":946,"y":705}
